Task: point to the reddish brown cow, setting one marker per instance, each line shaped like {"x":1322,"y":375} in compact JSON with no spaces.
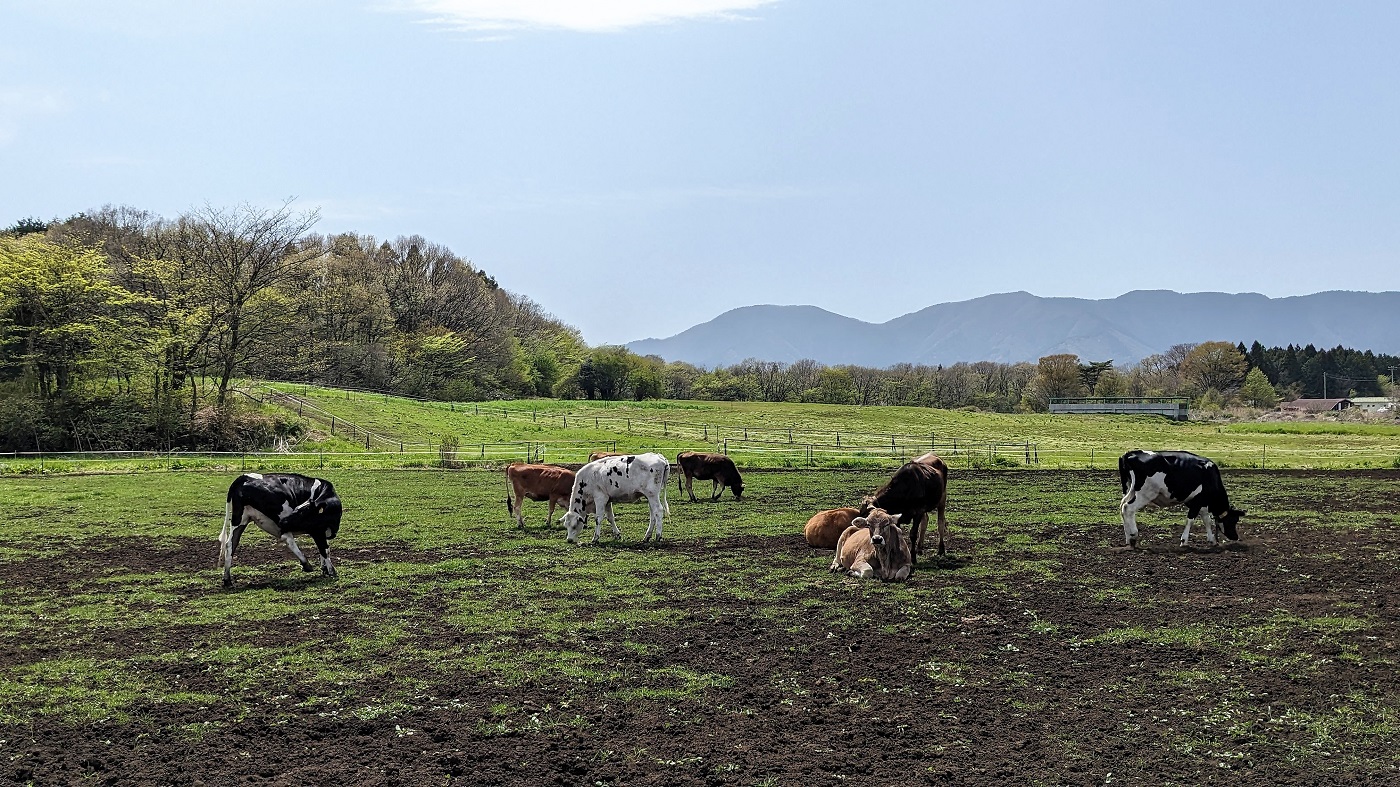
{"x":716,"y":468}
{"x":537,"y":482}
{"x":874,"y":547}
{"x":914,"y":490}
{"x":824,"y":529}
{"x":596,"y":455}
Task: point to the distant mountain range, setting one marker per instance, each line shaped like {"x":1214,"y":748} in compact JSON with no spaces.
{"x":1018,"y":326}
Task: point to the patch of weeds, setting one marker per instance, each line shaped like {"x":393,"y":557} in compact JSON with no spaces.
{"x":74,"y":689}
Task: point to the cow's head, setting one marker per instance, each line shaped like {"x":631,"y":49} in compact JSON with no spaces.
{"x":576,"y":517}
{"x":321,"y":515}
{"x":893,"y":557}
{"x":1229,"y":520}
{"x":738,"y":487}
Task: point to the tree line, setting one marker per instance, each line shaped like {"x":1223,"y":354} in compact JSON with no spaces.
{"x":120,"y":328}
{"x":123,"y":329}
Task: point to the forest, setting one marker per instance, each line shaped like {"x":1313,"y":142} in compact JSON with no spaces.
{"x":123,"y":329}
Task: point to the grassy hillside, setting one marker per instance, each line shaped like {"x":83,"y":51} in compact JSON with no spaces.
{"x":358,"y":429}
{"x":759,"y":432}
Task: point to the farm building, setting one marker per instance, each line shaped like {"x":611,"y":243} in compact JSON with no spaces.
{"x":1317,"y":405}
{"x":1176,"y":408}
{"x":1373,"y":404}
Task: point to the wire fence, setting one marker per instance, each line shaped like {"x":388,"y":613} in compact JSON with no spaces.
{"x":747,"y":454}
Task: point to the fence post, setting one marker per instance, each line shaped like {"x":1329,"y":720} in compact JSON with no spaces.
{"x":1091,"y":459}
{"x":726,"y":446}
{"x":595,"y":422}
{"x":332,"y":425}
{"x":1264,"y":457}
{"x":789,"y":435}
{"x":665,"y":430}
{"x":366,"y":441}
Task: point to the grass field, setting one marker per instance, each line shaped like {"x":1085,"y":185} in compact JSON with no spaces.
{"x":352,"y":429}
{"x":454,"y":648}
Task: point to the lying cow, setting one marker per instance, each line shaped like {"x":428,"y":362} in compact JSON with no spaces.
{"x":538,"y":483}
{"x":715,"y":468}
{"x":1157,"y":479}
{"x":874,"y":547}
{"x":914,"y":490}
{"x":618,"y":479}
{"x":824,"y":529}
{"x":285,"y":505}
{"x":596,"y":455}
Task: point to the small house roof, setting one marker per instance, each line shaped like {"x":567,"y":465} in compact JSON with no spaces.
{"x":1315,"y":405}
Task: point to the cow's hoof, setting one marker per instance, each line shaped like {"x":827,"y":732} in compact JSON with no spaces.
{"x":307,"y":567}
{"x":228,"y":583}
{"x":1133,"y":543}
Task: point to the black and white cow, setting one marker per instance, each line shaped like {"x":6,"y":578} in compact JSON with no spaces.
{"x":285,"y":505}
{"x":618,"y":479}
{"x":1157,"y":479}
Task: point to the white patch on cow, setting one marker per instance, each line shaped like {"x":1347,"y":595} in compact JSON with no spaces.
{"x":254,"y":476}
{"x":291,"y":542}
{"x":251,"y":514}
{"x":314,"y":486}
{"x":287,"y":510}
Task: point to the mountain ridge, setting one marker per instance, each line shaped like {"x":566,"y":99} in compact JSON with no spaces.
{"x":1017,"y":326}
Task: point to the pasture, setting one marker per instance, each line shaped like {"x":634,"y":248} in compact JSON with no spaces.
{"x":456,"y":649}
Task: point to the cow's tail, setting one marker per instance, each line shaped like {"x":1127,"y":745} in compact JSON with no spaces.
{"x":510,"y":507}
{"x":1125,"y":475}
{"x":226,"y":533}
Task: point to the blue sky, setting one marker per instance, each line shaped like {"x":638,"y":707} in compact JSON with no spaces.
{"x":640,"y":166}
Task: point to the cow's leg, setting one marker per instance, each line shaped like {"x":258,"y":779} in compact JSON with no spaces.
{"x":862,"y":570}
{"x":688,"y":489}
{"x":612,"y":520}
{"x":550,"y":517}
{"x":655,"y":518}
{"x":836,"y":564}
{"x":324,"y":547}
{"x":1209,"y":520}
{"x":290,"y":541}
{"x":1129,"y":510}
{"x":1186,"y":534}
{"x":716,"y":489}
{"x":918,"y":534}
{"x":520,"y":510}
{"x":226,"y":543}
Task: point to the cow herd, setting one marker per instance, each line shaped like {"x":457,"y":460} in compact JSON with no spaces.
{"x":870,"y":541}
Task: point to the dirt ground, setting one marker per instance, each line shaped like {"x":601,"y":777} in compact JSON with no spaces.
{"x":974,"y":698}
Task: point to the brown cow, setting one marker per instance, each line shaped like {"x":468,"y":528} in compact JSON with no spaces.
{"x":874,"y":547}
{"x":537,"y":482}
{"x":824,"y":529}
{"x":914,"y":490}
{"x":596,"y":455}
{"x":715,"y":468}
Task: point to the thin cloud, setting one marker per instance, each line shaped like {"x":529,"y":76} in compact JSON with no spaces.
{"x":586,"y":16}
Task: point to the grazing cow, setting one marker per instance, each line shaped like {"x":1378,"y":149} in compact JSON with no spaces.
{"x":824,"y":529}
{"x":618,"y":479}
{"x":1157,"y":479}
{"x":285,"y":505}
{"x":914,"y":490}
{"x":718,"y":469}
{"x":537,"y":482}
{"x":874,"y":547}
{"x":596,"y":455}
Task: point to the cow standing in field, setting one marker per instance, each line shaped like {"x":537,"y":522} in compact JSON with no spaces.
{"x":1157,"y":479}
{"x":715,"y":468}
{"x":914,"y":490}
{"x":824,"y":529}
{"x":874,"y":547}
{"x":538,"y":483}
{"x":618,"y":479}
{"x":285,"y":505}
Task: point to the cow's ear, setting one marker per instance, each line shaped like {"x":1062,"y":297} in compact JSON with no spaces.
{"x":860,"y":521}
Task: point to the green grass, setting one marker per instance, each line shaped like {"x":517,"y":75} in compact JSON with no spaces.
{"x":439,"y":590}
